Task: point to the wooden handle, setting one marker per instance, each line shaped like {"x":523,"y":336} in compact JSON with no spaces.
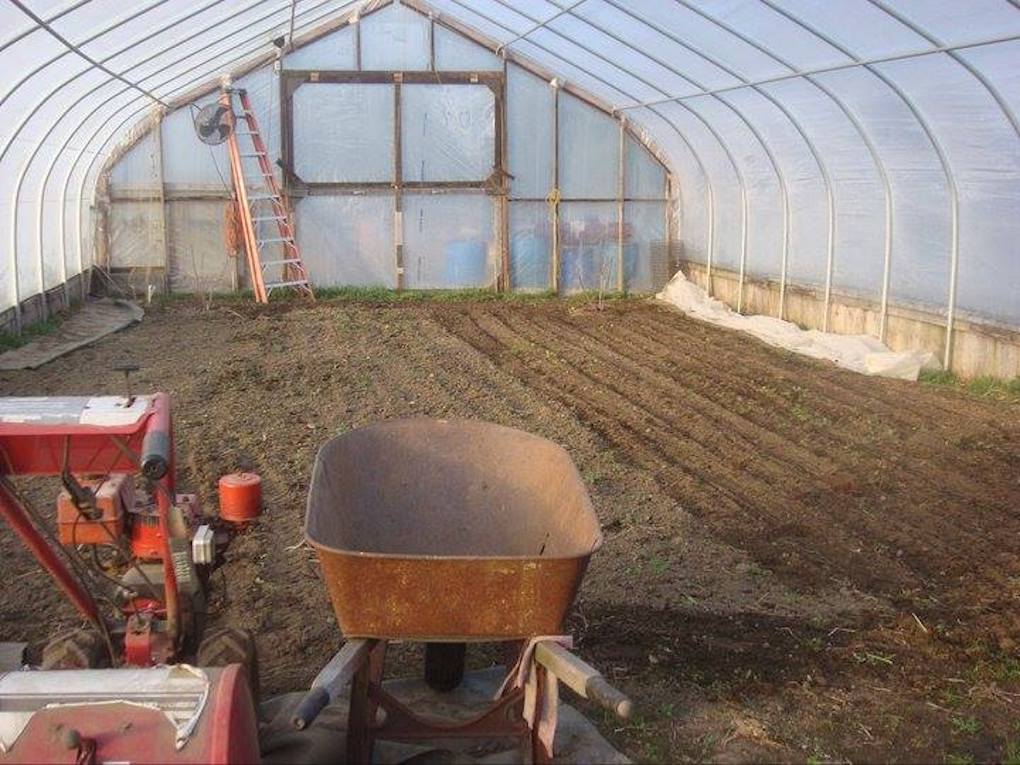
{"x":602,"y":693}
{"x":582,"y":678}
{"x":330,"y":681}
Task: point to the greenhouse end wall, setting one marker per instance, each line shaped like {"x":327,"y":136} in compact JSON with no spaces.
{"x":415,"y":158}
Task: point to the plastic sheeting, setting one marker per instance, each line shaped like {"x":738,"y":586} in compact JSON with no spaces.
{"x":644,"y":178}
{"x":338,"y":50}
{"x":589,"y":151}
{"x":136,"y":235}
{"x":448,"y":132}
{"x":343,"y":132}
{"x":530,"y":246}
{"x":646,"y":261}
{"x":448,"y":241}
{"x":589,"y":247}
{"x":348,"y":241}
{"x":531,"y":104}
{"x":860,"y":353}
{"x":395,"y":38}
{"x":455,"y":52}
{"x":199,"y":261}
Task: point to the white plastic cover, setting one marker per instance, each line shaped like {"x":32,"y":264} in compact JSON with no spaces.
{"x":860,"y":353}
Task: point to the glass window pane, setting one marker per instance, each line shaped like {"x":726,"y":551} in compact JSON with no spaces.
{"x":448,"y":241}
{"x":343,"y":133}
{"x":448,"y":132}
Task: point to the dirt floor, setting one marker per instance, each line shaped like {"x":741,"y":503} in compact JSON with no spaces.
{"x":800,"y":563}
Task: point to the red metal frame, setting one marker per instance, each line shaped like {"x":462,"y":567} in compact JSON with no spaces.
{"x":28,"y":448}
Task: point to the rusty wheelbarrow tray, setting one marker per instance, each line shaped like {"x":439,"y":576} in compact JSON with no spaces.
{"x":449,"y":530}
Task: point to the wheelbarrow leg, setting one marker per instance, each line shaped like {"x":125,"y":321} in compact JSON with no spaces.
{"x":362,"y":712}
{"x":540,"y":754}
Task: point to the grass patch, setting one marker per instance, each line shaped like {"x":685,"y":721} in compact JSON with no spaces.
{"x":984,"y":387}
{"x":968,"y":725}
{"x":9,"y":340}
{"x":1011,"y":753}
{"x":939,"y":377}
{"x":386,"y":295}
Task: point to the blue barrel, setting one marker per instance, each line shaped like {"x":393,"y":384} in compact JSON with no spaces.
{"x":466,"y":264}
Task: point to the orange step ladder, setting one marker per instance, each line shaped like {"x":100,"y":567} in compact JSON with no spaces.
{"x":260,"y":206}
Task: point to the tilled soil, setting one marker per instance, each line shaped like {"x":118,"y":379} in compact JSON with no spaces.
{"x":800,"y":562}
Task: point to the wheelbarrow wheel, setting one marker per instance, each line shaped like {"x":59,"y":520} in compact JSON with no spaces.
{"x":227,"y":645}
{"x":444,"y":665}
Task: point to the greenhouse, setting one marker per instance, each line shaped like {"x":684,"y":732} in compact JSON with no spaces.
{"x":751,"y":265}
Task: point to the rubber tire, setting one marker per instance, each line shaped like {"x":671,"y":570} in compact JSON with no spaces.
{"x":221,"y":646}
{"x":444,"y":665}
{"x":76,"y":649}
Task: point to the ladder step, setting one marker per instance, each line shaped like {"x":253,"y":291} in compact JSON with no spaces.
{"x":267,"y":263}
{"x":287,"y":239}
{"x":274,"y":285}
{"x":256,"y":154}
{"x":269,"y":217}
{"x":263,"y":197}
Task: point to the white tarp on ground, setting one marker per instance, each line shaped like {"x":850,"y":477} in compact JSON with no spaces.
{"x":861,"y":353}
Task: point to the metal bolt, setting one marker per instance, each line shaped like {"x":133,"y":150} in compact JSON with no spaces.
{"x":71,"y":738}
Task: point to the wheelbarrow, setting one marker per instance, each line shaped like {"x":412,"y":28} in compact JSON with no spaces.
{"x":447,"y":532}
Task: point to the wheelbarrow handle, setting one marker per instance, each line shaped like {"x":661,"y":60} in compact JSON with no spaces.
{"x":601,"y":692}
{"x":331,"y":680}
{"x":314,"y":702}
{"x":582,"y":678}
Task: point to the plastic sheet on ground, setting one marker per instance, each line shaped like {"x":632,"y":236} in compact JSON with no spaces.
{"x":93,"y":322}
{"x":860,"y":353}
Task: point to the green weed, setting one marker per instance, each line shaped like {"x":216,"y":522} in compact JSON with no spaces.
{"x":9,"y":340}
{"x":940,"y":377}
{"x":658,"y":566}
{"x":985,"y":387}
{"x":968,"y":725}
{"x":1011,"y":753}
